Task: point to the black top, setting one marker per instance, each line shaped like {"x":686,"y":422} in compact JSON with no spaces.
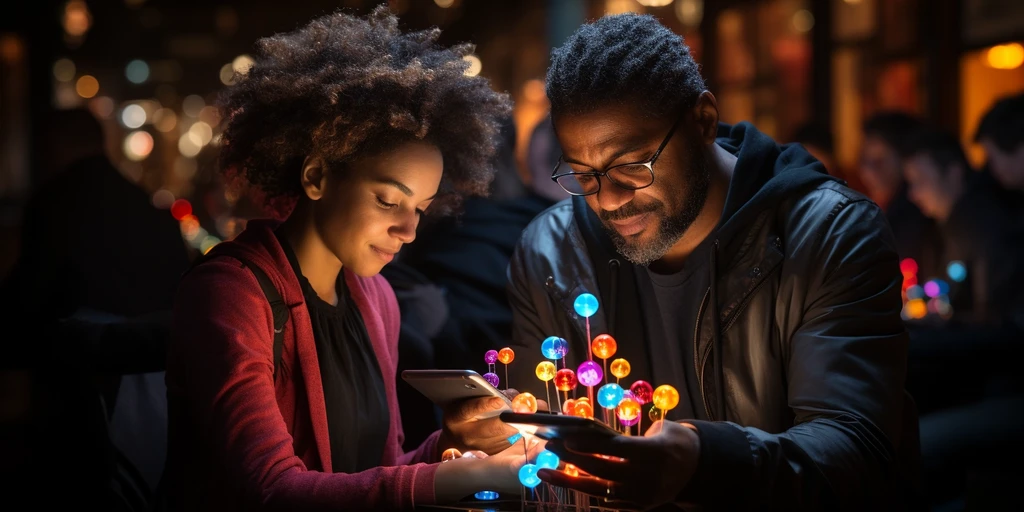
{"x":357,"y":409}
{"x":678,"y":298}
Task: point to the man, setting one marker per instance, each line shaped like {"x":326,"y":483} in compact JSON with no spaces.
{"x":732,"y":268}
{"x":1001,"y":133}
{"x":973,"y":224}
{"x":881,"y":174}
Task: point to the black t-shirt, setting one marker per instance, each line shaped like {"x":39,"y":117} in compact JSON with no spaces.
{"x":357,"y":409}
{"x":672,"y":323}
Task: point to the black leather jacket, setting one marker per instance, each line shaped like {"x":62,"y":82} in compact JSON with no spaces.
{"x":801,"y":352}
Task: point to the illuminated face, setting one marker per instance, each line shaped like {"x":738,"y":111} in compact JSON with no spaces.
{"x":929,"y":188}
{"x":1006,"y":167}
{"x":645,"y":223}
{"x":880,"y":169}
{"x":369,"y":210}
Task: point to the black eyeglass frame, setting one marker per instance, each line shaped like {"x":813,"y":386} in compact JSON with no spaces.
{"x":649,"y":164}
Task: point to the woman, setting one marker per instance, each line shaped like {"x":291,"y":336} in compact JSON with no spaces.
{"x":358,"y":130}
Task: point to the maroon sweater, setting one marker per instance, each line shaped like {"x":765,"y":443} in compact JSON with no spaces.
{"x":240,"y":440}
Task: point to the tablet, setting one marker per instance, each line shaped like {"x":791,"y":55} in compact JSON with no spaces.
{"x":556,"y":426}
{"x":444,"y":387}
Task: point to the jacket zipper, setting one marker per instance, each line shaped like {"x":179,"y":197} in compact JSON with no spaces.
{"x":707,"y":351}
{"x":697,"y":367}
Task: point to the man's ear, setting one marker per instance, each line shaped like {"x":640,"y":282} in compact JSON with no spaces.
{"x":705,"y":113}
{"x":314,"y":177}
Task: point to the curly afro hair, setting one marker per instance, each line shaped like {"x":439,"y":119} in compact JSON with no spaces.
{"x":623,"y":57}
{"x":345,"y":87}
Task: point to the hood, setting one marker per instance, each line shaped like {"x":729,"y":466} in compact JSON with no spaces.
{"x":766,"y":173}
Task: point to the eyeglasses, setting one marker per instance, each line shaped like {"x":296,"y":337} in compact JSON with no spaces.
{"x":632,"y":176}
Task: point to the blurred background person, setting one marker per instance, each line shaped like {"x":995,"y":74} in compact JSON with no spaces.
{"x":975,"y":227}
{"x":881,"y":173}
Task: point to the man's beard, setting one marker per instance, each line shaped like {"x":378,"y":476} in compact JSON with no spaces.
{"x":671,"y":227}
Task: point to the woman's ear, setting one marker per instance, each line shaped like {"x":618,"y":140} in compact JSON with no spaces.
{"x":314,"y":177}
{"x":705,"y":112}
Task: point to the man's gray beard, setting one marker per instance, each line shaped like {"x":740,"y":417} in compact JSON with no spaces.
{"x":671,"y":228}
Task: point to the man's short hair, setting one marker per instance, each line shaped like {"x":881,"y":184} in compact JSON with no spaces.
{"x":1003,"y":124}
{"x":941,"y":146}
{"x":893,"y":128}
{"x":624,"y":57}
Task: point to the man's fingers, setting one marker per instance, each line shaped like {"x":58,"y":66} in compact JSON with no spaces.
{"x":585,"y":484}
{"x":618,"y":446}
{"x":611,"y":469}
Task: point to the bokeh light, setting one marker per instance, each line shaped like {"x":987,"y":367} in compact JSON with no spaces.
{"x":133,"y":116}
{"x":64,"y":70}
{"x":475,"y":65}
{"x":137,"y":71}
{"x":138,"y":145}
{"x":163,"y":199}
{"x":87,"y":86}
{"x":957,"y":271}
{"x":181,"y":209}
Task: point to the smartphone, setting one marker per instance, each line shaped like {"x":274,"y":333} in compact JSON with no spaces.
{"x":556,"y":426}
{"x":444,"y":387}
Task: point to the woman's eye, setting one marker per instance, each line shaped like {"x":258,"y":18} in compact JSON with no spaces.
{"x":382,"y":204}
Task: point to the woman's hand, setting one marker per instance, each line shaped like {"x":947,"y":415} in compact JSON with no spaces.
{"x":476,"y":471}
{"x":474,"y":425}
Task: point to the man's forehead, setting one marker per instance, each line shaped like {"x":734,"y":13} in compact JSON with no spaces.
{"x":615,"y":126}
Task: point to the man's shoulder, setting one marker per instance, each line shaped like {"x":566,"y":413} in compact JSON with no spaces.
{"x":550,"y":227}
{"x":823,"y":202}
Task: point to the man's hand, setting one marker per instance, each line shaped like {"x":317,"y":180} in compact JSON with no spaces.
{"x":640,"y":471}
{"x":465,"y":429}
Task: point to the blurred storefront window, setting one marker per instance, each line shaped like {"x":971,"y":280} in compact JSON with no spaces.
{"x":763,"y":64}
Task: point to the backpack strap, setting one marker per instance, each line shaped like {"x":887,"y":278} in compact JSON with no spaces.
{"x":277,"y":305}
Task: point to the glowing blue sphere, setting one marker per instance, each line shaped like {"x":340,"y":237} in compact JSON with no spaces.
{"x":554,"y":347}
{"x":957,"y":271}
{"x":486,"y":495}
{"x":528,"y":476}
{"x":609,"y":395}
{"x":547,"y":459}
{"x":585,"y":305}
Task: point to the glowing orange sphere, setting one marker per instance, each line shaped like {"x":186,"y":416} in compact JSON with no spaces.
{"x":568,"y":406}
{"x":506,"y":355}
{"x":524,"y":403}
{"x":450,"y":454}
{"x":565,"y":380}
{"x":628,"y":410}
{"x":665,"y":397}
{"x":604,"y":346}
{"x":583,"y":410}
{"x":620,"y":368}
{"x":571,"y":470}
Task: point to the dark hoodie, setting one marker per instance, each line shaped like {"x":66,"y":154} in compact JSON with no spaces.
{"x":766,"y":173}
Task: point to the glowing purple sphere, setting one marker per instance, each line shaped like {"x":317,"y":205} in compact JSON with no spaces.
{"x":491,"y":357}
{"x":491,"y":378}
{"x":589,"y":373}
